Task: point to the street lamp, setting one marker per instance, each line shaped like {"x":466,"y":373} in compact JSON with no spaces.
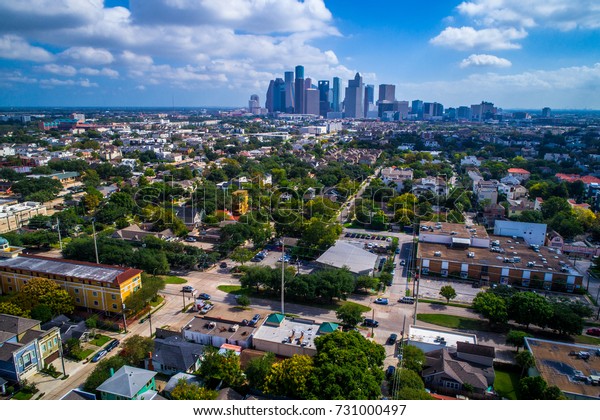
{"x":124,"y":319}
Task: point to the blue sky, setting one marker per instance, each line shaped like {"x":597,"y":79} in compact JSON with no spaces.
{"x":515,"y":53}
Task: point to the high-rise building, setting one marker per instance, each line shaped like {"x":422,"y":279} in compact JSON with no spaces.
{"x":483,"y":111}
{"x":387,"y":93}
{"x":289,"y":91}
{"x":546,"y":112}
{"x":299,"y":90}
{"x":401,"y":107}
{"x":417,"y":108}
{"x":335,"y":104}
{"x":269,"y":98}
{"x":463,"y":113}
{"x":353,"y":101}
{"x":369,"y":99}
{"x":312,"y":101}
{"x":279,"y":95}
{"x":254,"y":104}
{"x":324,"y":105}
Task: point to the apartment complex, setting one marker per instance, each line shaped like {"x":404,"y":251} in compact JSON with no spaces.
{"x":468,"y":252}
{"x":93,"y":286}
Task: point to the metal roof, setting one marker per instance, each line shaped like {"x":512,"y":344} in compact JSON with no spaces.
{"x":344,"y":254}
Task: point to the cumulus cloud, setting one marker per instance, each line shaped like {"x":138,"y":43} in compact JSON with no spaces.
{"x":467,"y":37}
{"x":59,"y":70}
{"x":50,"y":83}
{"x":562,"y":14}
{"x":87,"y":55}
{"x":88,"y":71}
{"x":14,"y":47}
{"x":484,"y":60}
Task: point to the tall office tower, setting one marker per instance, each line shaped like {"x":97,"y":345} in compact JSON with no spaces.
{"x":546,"y":112}
{"x":369,"y":99}
{"x":324,"y":106}
{"x":312,"y":101}
{"x":387,"y":93}
{"x":463,"y":113}
{"x":254,"y":104}
{"x":353,"y":101}
{"x":427,"y":110}
{"x":438,"y":110}
{"x":483,"y":111}
{"x":417,"y":108}
{"x":299,"y":90}
{"x":289,"y":91}
{"x":335,"y":103}
{"x":279,"y":95}
{"x":270,"y":97}
{"x":401,"y":107}
{"x":451,"y":113}
{"x":476,"y":112}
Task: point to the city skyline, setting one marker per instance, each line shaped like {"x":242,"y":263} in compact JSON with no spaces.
{"x":159,"y":53}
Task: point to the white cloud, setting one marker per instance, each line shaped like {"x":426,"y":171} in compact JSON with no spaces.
{"x":50,"y":83}
{"x":484,"y":60}
{"x":562,"y":14}
{"x":60,"y":70}
{"x":87,"y":55}
{"x":13,"y":47}
{"x":466,"y":37}
{"x":88,"y":71}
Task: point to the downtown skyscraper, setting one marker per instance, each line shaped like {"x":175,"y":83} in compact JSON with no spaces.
{"x":335,"y":102}
{"x":299,"y":91}
{"x":353,"y":102}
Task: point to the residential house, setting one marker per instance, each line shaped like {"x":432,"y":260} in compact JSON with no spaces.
{"x":174,"y":354}
{"x":25,"y":348}
{"x":191,"y":216}
{"x":135,"y":233}
{"x":436,"y":185}
{"x":396,"y":176}
{"x":470,"y":161}
{"x":310,"y":193}
{"x":68,"y":329}
{"x":554,"y":240}
{"x":78,"y":395}
{"x":469,"y":369}
{"x":174,"y":380}
{"x":486,"y":190}
{"x":129,"y":383}
{"x":521,"y":174}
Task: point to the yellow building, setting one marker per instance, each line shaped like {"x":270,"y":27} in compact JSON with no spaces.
{"x":240,"y":202}
{"x":94,"y":286}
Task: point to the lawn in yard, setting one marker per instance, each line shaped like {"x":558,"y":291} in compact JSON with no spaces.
{"x":22,"y":395}
{"x":586,"y":339}
{"x":238,"y":290}
{"x":173,"y":280}
{"x":82,"y":355}
{"x":453,"y":321}
{"x":505,"y":383}
{"x":100,"y":340}
{"x":158,"y":301}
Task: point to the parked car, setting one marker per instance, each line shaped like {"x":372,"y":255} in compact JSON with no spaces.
{"x":254,"y":320}
{"x":381,"y":301}
{"x":190,"y":239}
{"x":206,"y":308}
{"x":187,"y":289}
{"x":369,"y":322}
{"x":402,"y":262}
{"x":389,"y":372}
{"x":593,"y":331}
{"x":392,"y":339}
{"x":223,"y":265}
{"x":407,"y":299}
{"x":99,"y":355}
{"x":204,"y":296}
{"x":112,"y":345}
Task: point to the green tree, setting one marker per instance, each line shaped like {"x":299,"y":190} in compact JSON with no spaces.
{"x":524,"y":360}
{"x":258,"y":369}
{"x":191,"y":391}
{"x":222,"y":367}
{"x":347,"y":366}
{"x":136,"y":348}
{"x":491,"y":306}
{"x":553,"y":206}
{"x":40,"y":291}
{"x":10,"y":308}
{"x":516,"y":338}
{"x":448,"y":292}
{"x":532,"y":388}
{"x":291,"y":378}
{"x":241,"y":255}
{"x":349,"y":314}
{"x":407,"y":378}
{"x":41,"y":312}
{"x":413,"y":358}
{"x":243,"y":300}
{"x":565,"y":320}
{"x":366,"y":282}
{"x":529,"y":308}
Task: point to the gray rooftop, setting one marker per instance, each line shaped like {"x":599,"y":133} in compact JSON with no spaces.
{"x":63,"y":268}
{"x":176,"y":352}
{"x":296,"y":331}
{"x":127,"y":381}
{"x":16,"y":324}
{"x":344,"y":254}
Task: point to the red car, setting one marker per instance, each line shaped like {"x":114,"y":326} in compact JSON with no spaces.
{"x":593,"y":331}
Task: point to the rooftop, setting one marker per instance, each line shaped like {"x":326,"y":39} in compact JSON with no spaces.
{"x":344,"y":254}
{"x":69,"y":268}
{"x":457,"y":230}
{"x":292,"y":331}
{"x":433,"y":336}
{"x":559,"y":365}
{"x":230,"y":330}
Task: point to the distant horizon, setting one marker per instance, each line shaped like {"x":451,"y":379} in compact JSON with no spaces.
{"x":137,"y":53}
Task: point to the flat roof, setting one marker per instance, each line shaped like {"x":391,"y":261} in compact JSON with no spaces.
{"x":558,"y":367}
{"x":69,"y":268}
{"x":291,"y":331}
{"x":456,"y":230}
{"x":519,"y":248}
{"x":345,"y":254}
{"x":433,"y":336}
{"x":220,"y":328}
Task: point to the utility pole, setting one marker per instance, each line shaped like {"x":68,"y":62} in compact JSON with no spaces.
{"x":150,"y":321}
{"x":124,"y":319}
{"x":62,"y":359}
{"x":183,"y":300}
{"x":418,"y":281}
{"x":95,"y":244}
{"x":58,"y":229}
{"x":282,"y":274}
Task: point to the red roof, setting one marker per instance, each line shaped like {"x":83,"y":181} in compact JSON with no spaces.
{"x":518,"y":171}
{"x":587,"y":179}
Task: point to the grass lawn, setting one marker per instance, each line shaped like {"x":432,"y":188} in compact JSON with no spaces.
{"x":440,"y":302}
{"x":238,"y":290}
{"x":100,"y":340}
{"x":453,"y":321}
{"x":586,"y":339}
{"x":22,"y":395}
{"x":506,"y":383}
{"x":173,"y":280}
{"x":83,"y":354}
{"x":158,"y":301}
